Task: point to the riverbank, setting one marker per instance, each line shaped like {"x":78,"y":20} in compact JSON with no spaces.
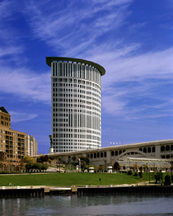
{"x":40,"y":191}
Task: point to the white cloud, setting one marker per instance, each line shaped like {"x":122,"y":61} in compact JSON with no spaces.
{"x":10,"y":50}
{"x":78,"y":34}
{"x":5,"y":8}
{"x":26,"y":84}
{"x":63,"y":28}
{"x":136,"y":27}
{"x":18,"y":116}
{"x":149,"y":73}
{"x":124,"y":65}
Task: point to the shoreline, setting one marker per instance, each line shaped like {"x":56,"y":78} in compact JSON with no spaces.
{"x":41,"y":191}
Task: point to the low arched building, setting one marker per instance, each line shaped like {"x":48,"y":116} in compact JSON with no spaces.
{"x":159,"y":150}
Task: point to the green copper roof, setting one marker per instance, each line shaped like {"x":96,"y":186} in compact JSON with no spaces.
{"x":82,"y":61}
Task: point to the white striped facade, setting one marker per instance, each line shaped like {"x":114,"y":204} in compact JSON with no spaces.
{"x":76,"y":106}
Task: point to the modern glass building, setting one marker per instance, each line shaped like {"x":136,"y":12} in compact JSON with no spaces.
{"x":76,"y":103}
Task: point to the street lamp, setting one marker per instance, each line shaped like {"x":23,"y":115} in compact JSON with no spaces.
{"x":79,"y":164}
{"x":3,"y":161}
{"x":100,"y":180}
{"x":16,"y":162}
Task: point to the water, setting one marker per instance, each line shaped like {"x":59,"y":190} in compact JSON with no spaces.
{"x":89,"y":205}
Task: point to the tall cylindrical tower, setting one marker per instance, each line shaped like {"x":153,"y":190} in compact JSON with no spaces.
{"x":76,"y":103}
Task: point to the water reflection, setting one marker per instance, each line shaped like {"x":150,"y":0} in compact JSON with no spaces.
{"x":88,"y":205}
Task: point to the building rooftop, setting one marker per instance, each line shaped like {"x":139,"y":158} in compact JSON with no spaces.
{"x":116,"y":147}
{"x":3,"y":110}
{"x":73,"y":60}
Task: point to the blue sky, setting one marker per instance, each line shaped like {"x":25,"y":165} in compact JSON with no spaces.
{"x":132,"y":39}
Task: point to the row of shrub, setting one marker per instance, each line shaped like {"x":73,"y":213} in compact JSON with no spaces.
{"x":36,"y":166}
{"x":158,"y":177}
{"x":96,"y":168}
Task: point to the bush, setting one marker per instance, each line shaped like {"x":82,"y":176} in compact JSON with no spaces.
{"x":140,"y":175}
{"x":28,"y":159}
{"x":102,"y":168}
{"x":96,"y":168}
{"x":167,"y":180}
{"x":45,"y":166}
{"x":129,"y":172}
{"x":50,"y":161}
{"x":37,"y":166}
{"x":158,"y":177}
{"x":43,"y":158}
{"x":28,"y":166}
{"x":136,"y":174}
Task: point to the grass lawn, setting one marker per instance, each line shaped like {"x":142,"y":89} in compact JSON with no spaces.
{"x":68,"y":179}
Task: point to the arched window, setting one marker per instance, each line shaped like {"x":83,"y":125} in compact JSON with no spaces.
{"x":120,"y":151}
{"x":153,"y":149}
{"x":167,"y":148}
{"x":97,"y":154}
{"x":94,"y":155}
{"x":145,"y":150}
{"x":112,"y":153}
{"x":149,"y":149}
{"x":162,"y":148}
{"x":105,"y":154}
{"x":116,"y":153}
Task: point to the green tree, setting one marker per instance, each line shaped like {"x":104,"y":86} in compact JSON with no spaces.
{"x":22,"y":164}
{"x":43,"y":158}
{"x":28,"y":166}
{"x":51,"y":157}
{"x":39,"y":166}
{"x":74,"y":158}
{"x":28,"y":159}
{"x":140,"y":173}
{"x":159,"y":176}
{"x":96,"y":167}
{"x":86,"y":160}
{"x":102,"y":168}
{"x":145,"y":167}
{"x":136,"y":167}
{"x":50,"y":161}
{"x":83,"y":164}
{"x":117,"y":166}
{"x":45,"y":166}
